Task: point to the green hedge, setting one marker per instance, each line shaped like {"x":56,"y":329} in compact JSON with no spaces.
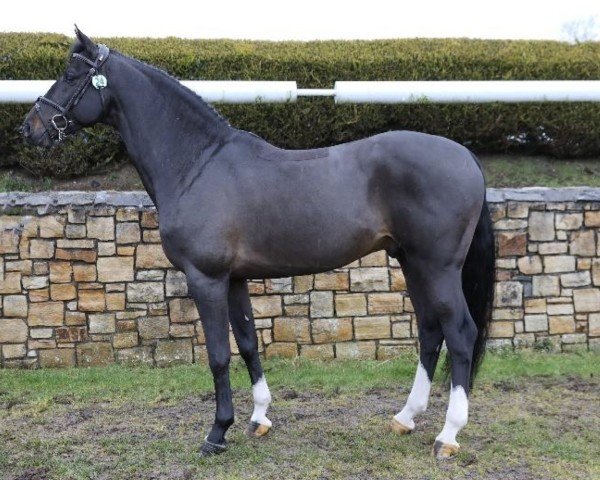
{"x":574,"y":128}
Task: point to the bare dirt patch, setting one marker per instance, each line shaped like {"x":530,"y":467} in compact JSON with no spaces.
{"x":526,"y":429}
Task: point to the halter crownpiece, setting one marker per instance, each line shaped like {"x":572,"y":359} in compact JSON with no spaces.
{"x":61,"y":122}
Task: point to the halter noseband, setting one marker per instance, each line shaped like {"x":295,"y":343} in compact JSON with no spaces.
{"x":60,"y":122}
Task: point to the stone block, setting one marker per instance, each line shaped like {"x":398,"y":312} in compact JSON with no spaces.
{"x":149,"y":219}
{"x":559,"y":263}
{"x":296,"y":310}
{"x":9,"y":241}
{"x":145,"y":292}
{"x":15,"y":306}
{"x":541,"y":226}
{"x":512,"y":243}
{"x":51,"y":226}
{"x":14,"y":351}
{"x":536,"y":323}
{"x":384,"y":303}
{"x":128,"y":232}
{"x":173,"y":352}
{"x":397,"y":280}
{"x":592,"y":218}
{"x":61,"y":272}
{"x":291,"y":329}
{"x":153,"y":327}
{"x":11,"y":283}
{"x":183,"y":310}
{"x":95,"y":354}
{"x":370,"y":328}
{"x":332,"y":281}
{"x":282,"y":350}
{"x":135,"y":356}
{"x":127,"y":214}
{"x":303,"y":284}
{"x":57,"y":357}
{"x":350,"y":304}
{"x":573,"y":338}
{"x":266,"y":306}
{"x":355,"y":350}
{"x":75,"y":231}
{"x":582,"y":243}
{"x":41,"y":248}
{"x":102,"y":228}
{"x":401,"y":330}
{"x":510,"y":224}
{"x":176,"y":284}
{"x":41,"y":295}
{"x":321,"y":304}
{"x":81,"y":255}
{"x":577,"y":279}
{"x":560,"y":309}
{"x":561,"y":324}
{"x":545,"y":286}
{"x":502,"y":330}
{"x":328,"y":330}
{"x":115,"y":301}
{"x":102,"y":323}
{"x":568,"y":221}
{"x":46,"y":314}
{"x":151,"y":236}
{"x":71,"y":334}
{"x":594,"y":325}
{"x":106,"y":249}
{"x":369,"y":279}
{"x":13,"y":330}
{"x":587,"y":300}
{"x":63,"y":291}
{"x":317,"y":352}
{"x":508,"y":294}
{"x":375,"y":259}
{"x":278,"y":285}
{"x":92,"y":300}
{"x":37,"y":333}
{"x":33,"y":282}
{"x":115,"y":269}
{"x":84,"y":273}
{"x":391,"y":349}
{"x":151,"y":255}
{"x":530,"y":265}
{"x":182,"y":330}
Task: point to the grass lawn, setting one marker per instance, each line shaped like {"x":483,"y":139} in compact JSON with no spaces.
{"x":533,"y":415}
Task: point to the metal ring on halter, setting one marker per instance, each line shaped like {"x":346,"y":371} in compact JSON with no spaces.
{"x":60,"y":129}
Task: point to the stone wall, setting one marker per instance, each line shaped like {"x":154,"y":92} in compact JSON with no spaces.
{"x":83,"y":280}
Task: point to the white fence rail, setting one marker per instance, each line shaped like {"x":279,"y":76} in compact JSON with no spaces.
{"x":26,"y":91}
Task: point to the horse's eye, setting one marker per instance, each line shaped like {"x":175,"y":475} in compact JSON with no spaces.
{"x":69,"y":77}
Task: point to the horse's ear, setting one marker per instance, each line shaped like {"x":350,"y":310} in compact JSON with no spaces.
{"x":85,"y":41}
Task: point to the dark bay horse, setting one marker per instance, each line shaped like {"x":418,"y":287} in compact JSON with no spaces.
{"x":233,"y":207}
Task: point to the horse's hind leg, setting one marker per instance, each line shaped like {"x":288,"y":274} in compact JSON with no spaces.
{"x":438,"y":297}
{"x":430,"y":341}
{"x":242,"y":324}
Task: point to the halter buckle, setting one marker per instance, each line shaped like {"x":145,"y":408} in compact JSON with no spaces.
{"x":61,"y":126}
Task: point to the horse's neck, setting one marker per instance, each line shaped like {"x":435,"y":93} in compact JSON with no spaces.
{"x":164,"y":128}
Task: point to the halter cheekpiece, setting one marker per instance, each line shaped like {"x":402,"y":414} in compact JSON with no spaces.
{"x":60,"y":122}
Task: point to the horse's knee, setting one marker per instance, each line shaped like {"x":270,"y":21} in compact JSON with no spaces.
{"x":219,"y":362}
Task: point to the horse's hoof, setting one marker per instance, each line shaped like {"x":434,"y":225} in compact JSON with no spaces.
{"x":256,"y":429}
{"x":209,"y":449}
{"x":399,"y":427}
{"x":443,"y":451}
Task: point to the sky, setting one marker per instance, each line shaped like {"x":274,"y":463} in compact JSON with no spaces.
{"x":302,"y":19}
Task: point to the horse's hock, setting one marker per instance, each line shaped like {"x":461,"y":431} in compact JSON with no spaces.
{"x":83,"y":280}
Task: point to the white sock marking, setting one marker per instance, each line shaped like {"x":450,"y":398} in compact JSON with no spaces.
{"x":456,"y":416}
{"x":417,"y":400}
{"x":262,"y":399}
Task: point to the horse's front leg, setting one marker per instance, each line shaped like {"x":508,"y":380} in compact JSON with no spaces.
{"x":210,"y":295}
{"x":244,"y":330}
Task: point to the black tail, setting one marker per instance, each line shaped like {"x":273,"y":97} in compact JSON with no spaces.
{"x":478,"y":276}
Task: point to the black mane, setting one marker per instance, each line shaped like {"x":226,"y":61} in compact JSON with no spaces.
{"x":191,"y":98}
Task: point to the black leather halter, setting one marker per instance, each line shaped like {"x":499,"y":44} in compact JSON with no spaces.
{"x":61,"y":122}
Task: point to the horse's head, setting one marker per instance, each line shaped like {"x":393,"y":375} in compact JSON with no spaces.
{"x":76,"y":100}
